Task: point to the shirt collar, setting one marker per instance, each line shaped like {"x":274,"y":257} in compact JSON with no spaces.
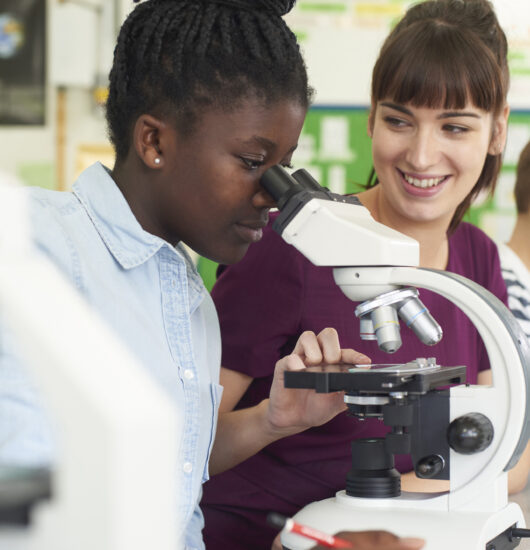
{"x":114,"y":220}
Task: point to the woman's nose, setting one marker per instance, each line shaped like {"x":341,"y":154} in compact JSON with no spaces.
{"x":423,"y":151}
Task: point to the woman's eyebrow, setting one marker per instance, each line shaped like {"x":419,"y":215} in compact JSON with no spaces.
{"x":446,"y":114}
{"x":451,"y":114}
{"x":397,"y":107}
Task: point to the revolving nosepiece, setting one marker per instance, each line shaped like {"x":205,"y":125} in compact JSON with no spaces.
{"x":379,"y":319}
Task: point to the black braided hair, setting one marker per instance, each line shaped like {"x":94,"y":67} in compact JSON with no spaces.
{"x":175,"y":58}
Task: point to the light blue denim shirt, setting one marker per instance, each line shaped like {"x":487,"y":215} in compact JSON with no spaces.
{"x":152,"y":295}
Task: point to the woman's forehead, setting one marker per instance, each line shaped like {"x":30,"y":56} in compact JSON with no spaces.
{"x":468,"y":106}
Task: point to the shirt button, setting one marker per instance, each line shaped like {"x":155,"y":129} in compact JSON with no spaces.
{"x":188,"y":374}
{"x":188,"y":467}
{"x":173,"y":283}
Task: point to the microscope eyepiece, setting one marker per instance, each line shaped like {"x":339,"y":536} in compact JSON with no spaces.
{"x":306,"y":180}
{"x":280,"y":185}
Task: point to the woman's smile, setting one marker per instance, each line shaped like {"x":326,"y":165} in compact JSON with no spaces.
{"x":422,"y":185}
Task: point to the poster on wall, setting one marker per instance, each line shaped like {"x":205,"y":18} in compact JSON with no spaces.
{"x":22,"y":62}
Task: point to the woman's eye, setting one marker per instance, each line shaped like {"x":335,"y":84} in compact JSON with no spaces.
{"x":287,"y":165}
{"x":455,"y":129}
{"x":251,"y":164}
{"x":395,"y":122}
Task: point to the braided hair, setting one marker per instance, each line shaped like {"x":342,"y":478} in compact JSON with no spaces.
{"x":174,"y":58}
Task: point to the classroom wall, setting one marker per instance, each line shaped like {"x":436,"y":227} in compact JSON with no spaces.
{"x":79,"y":47}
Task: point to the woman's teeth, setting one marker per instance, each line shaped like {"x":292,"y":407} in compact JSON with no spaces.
{"x":423,"y":182}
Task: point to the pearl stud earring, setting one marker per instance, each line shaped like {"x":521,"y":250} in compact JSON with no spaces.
{"x":157,"y":161}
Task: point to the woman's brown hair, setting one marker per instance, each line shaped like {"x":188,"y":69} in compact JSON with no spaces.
{"x":522,"y":182}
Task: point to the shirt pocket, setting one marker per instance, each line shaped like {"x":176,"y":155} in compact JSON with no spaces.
{"x":216,"y":392}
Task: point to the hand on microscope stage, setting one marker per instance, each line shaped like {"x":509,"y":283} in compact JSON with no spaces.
{"x":377,"y":540}
{"x":294,"y":410}
{"x":242,"y":433}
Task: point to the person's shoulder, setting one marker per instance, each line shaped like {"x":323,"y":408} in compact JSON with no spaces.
{"x":474,"y":254}
{"x":470,"y":238}
{"x":47,"y":199}
{"x":49,"y":208}
{"x":53,"y":215}
{"x":468,"y":232}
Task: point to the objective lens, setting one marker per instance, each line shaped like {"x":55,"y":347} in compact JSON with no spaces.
{"x":417,"y":317}
{"x":386,"y":327}
{"x":366,"y":329}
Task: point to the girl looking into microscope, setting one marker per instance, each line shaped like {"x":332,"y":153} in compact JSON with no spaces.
{"x":204,"y":96}
{"x":438,"y":127}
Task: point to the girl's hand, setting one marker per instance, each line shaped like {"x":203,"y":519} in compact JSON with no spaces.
{"x":294,"y":410}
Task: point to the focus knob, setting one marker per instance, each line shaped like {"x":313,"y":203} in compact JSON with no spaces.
{"x":429,"y":466}
{"x":470,"y":433}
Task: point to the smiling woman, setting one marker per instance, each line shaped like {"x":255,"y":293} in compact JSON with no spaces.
{"x":429,"y":161}
{"x":438,"y":126}
{"x":443,"y":63}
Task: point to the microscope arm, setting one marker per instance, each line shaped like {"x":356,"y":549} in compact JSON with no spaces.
{"x":505,"y":403}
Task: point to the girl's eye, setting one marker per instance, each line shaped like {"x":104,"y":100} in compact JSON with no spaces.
{"x":288,"y":165}
{"x":251,"y":164}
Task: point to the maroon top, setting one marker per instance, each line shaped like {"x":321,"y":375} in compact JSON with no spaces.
{"x":265,"y":302}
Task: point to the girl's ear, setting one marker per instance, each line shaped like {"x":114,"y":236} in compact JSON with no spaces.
{"x":147,"y":139}
{"x":500,"y":128}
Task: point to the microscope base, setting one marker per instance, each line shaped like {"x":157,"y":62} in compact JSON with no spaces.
{"x":441,"y":529}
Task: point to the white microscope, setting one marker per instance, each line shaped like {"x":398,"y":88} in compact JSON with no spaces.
{"x":470,"y":435}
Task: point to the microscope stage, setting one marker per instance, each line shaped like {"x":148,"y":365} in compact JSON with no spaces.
{"x":378,"y":378}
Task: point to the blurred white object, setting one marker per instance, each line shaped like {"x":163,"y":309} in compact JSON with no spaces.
{"x":115,"y":486}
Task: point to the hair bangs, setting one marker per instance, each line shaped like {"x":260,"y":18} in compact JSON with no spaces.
{"x":436,"y":66}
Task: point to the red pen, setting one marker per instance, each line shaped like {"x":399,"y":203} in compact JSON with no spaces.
{"x":277,"y":520}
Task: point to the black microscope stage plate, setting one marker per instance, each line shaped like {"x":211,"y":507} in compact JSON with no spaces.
{"x":376,"y":379}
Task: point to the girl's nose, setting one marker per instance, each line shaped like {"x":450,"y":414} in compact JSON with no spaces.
{"x":262,"y":199}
